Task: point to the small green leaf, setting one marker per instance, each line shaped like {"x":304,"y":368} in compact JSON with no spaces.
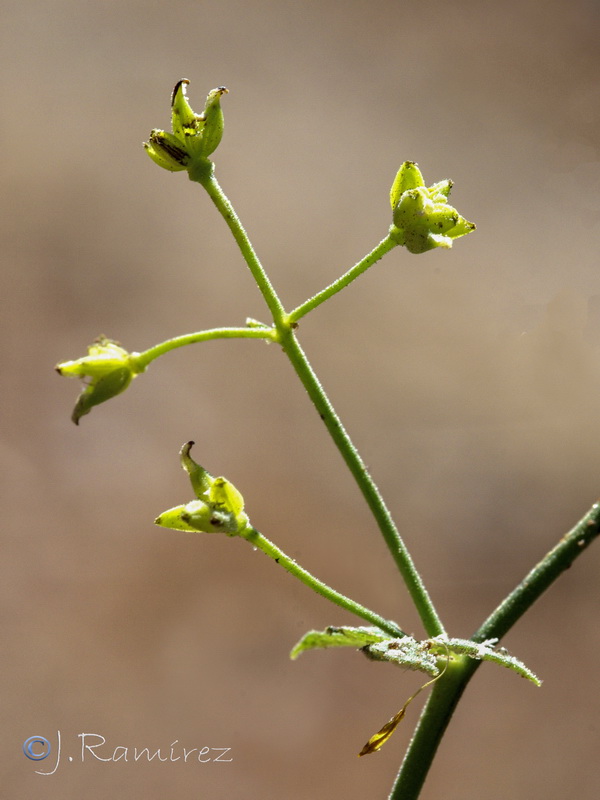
{"x":409,"y":653}
{"x":486,"y":651}
{"x":338,"y":637}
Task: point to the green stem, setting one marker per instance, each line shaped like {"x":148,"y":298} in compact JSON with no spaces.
{"x":143,"y":359}
{"x":258,"y":540}
{"x":221,"y":201}
{"x":433,"y":722}
{"x":423,"y":603}
{"x":448,"y":690}
{"x":384,"y":246}
{"x":541,"y":577}
{"x":284,"y":325}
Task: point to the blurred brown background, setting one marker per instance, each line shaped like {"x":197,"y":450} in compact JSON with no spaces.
{"x":469,"y":379}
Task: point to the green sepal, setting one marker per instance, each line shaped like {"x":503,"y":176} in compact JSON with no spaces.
{"x":199,"y":517}
{"x":101,"y":390}
{"x":167,"y":151}
{"x":183,"y":119}
{"x":223,"y":494}
{"x":440,"y":191}
{"x":338,"y":637}
{"x":213,"y":121}
{"x":200,"y":479}
{"x":408,"y":177}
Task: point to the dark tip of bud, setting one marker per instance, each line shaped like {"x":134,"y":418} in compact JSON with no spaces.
{"x":175,"y":90}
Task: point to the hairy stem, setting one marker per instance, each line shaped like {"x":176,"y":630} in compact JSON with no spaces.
{"x":384,"y":246}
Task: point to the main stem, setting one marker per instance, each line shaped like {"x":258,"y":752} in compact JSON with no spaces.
{"x":416,"y":588}
{"x":284,"y":325}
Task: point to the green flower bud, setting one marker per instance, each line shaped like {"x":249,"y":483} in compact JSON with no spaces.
{"x":194,"y":137}
{"x":218,"y":509}
{"x":423,"y":219}
{"x":110,"y":370}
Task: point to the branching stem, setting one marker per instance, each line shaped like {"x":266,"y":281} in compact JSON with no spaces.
{"x":287,"y":338}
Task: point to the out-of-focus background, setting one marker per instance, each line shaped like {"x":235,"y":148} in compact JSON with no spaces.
{"x":469,"y":379}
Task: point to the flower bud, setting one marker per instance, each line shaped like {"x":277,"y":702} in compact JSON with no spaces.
{"x":194,"y":136}
{"x":423,"y":218}
{"x":110,"y":369}
{"x":218,"y":509}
